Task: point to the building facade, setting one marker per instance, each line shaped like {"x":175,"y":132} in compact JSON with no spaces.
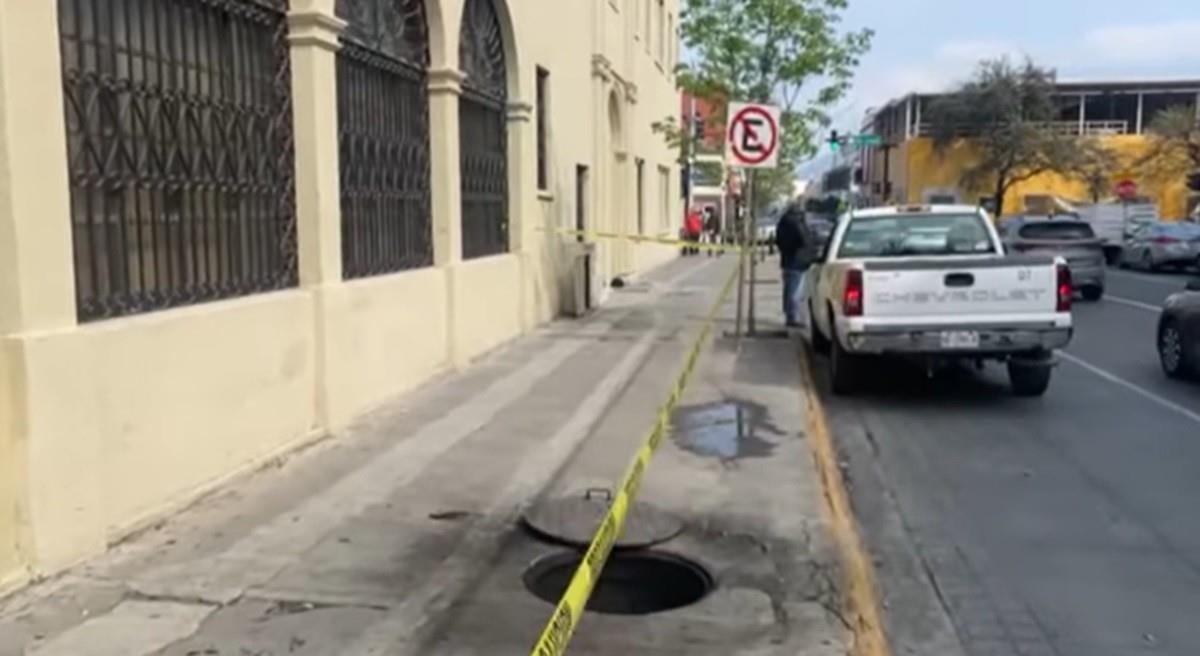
{"x":906,"y":167}
{"x":229,"y":227}
{"x":708,"y":177}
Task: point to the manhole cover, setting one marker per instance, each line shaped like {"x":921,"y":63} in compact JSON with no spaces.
{"x":632,"y":583}
{"x":573,"y":520}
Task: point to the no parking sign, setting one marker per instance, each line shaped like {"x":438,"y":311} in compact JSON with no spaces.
{"x":752,"y":135}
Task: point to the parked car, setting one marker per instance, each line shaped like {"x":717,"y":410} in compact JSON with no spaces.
{"x":1152,"y":246}
{"x":1179,"y":333}
{"x":1074,"y":241}
{"x":934,"y":283}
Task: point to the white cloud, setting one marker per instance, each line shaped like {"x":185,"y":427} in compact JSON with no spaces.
{"x":951,"y":63}
{"x":1167,"y":43}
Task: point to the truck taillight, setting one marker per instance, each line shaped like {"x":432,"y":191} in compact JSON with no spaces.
{"x":852,"y":296}
{"x":1065,"y":288}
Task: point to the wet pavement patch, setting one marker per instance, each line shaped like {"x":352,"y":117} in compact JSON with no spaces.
{"x":631,"y":583}
{"x":727,"y":430}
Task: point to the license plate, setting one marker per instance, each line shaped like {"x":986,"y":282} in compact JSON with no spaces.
{"x":960,"y":339}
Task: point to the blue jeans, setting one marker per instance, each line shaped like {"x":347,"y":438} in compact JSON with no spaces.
{"x":793,"y":284}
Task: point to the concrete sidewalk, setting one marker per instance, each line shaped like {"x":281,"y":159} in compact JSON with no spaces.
{"x":402,"y":537}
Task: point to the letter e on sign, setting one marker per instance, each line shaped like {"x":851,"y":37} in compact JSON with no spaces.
{"x":752,"y":136}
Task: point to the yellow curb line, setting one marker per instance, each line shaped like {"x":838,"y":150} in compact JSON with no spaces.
{"x":863,"y":607}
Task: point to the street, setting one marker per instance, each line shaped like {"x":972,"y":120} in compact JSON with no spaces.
{"x":1061,"y":525}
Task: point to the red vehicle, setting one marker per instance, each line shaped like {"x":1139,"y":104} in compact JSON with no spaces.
{"x":693,"y":225}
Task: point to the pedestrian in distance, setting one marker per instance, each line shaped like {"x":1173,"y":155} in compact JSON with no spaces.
{"x":712,"y":230}
{"x":795,"y":244}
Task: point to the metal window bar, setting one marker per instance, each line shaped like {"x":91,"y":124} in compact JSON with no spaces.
{"x":484,"y":170}
{"x":383,"y":135}
{"x":1064,"y":128}
{"x":384,"y":163}
{"x":543,"y":162}
{"x":179,"y":136}
{"x":483,"y":132}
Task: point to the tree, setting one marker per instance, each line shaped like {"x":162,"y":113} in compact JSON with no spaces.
{"x":1174,"y":150}
{"x":1006,"y":112}
{"x":1098,"y":164}
{"x":786,"y":52}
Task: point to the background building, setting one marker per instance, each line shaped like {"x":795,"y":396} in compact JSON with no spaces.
{"x":706,"y":173}
{"x":228,"y":227}
{"x":907,"y":169}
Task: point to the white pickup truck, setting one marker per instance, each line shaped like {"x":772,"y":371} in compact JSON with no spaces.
{"x":934,"y":282}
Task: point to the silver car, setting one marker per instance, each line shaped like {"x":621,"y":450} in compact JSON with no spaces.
{"x":1153,"y":246}
{"x":1072,"y":239}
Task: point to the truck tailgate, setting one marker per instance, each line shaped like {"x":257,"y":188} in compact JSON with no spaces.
{"x":972,"y":290}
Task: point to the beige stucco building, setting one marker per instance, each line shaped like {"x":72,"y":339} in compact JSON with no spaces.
{"x":224,"y":240}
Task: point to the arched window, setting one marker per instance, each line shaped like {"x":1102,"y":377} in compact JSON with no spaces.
{"x":383,"y":137}
{"x":180,"y":151}
{"x":483,"y":131}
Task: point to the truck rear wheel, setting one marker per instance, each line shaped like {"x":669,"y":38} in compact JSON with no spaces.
{"x":1093,"y":293}
{"x":1029,"y":379}
{"x":843,"y":369}
{"x":820,"y":343}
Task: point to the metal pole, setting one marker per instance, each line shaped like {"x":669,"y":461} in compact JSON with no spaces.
{"x":751,"y":237}
{"x":690,"y":141}
{"x":741,"y":276}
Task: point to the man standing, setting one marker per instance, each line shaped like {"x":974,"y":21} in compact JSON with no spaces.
{"x":795,"y":255}
{"x":712,"y":228}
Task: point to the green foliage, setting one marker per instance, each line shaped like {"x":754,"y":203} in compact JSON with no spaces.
{"x":1174,"y":145}
{"x":791,"y":53}
{"x":1097,"y":167}
{"x":1006,"y":111}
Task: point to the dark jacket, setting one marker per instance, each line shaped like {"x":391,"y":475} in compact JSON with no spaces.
{"x":794,"y":240}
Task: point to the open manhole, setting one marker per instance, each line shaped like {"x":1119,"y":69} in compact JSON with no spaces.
{"x":572,"y":521}
{"x":631,"y":583}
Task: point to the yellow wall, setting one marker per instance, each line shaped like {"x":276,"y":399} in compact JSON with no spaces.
{"x":133,"y":417}
{"x":485,"y":293}
{"x":926,"y":169}
{"x":107,"y":426}
{"x":12,"y":562}
{"x":381,"y":336}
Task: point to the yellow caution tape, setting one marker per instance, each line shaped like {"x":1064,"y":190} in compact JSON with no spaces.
{"x":561,"y":626}
{"x":648,"y":239}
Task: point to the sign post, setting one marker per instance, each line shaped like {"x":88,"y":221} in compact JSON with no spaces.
{"x":1126,"y":189}
{"x":752,"y":138}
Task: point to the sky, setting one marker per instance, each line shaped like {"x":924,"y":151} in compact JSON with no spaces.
{"x":928,"y":45}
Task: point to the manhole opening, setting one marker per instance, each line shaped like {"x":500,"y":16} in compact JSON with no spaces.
{"x":632,"y":583}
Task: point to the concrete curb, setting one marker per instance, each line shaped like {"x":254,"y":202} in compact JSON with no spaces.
{"x":863,"y":606}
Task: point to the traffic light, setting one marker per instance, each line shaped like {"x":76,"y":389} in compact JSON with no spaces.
{"x":835,"y":142}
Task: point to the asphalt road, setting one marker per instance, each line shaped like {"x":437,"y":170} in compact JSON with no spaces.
{"x":1062,"y":525}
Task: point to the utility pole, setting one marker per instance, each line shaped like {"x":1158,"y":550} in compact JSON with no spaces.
{"x":751,"y":235}
{"x":690,"y":143}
